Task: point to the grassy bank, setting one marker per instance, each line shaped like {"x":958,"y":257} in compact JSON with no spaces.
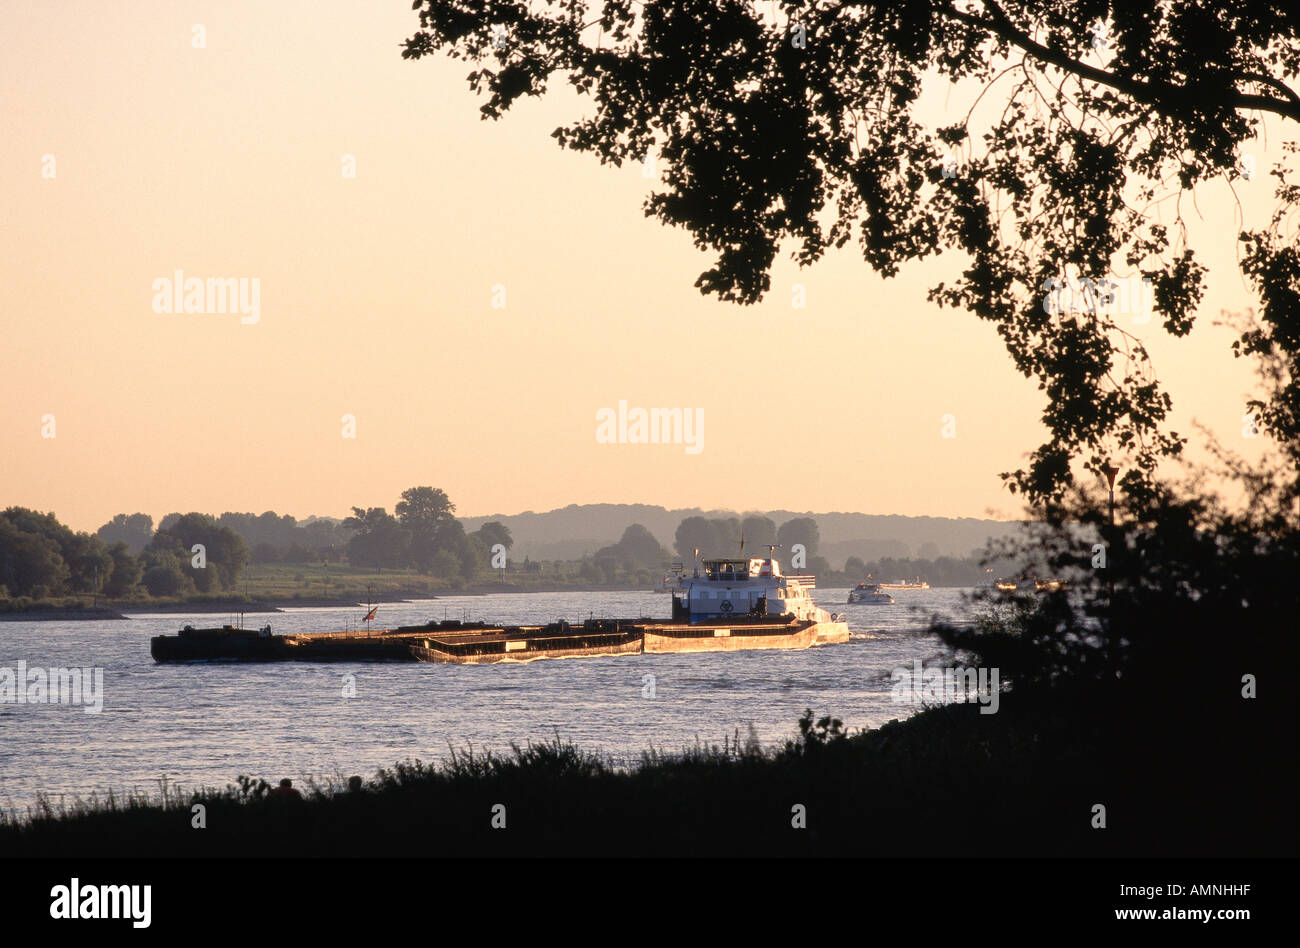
{"x":948,"y":781}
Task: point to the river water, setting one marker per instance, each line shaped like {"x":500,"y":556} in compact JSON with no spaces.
{"x":204,"y":724}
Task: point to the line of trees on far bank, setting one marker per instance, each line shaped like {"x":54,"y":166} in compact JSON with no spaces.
{"x":271,"y":537}
{"x":423,"y":534}
{"x":796,"y":540}
{"x":42,"y":558}
{"x":197,"y":553}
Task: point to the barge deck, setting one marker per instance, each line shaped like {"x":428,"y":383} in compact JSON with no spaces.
{"x":737,"y":604}
{"x":480,"y":644}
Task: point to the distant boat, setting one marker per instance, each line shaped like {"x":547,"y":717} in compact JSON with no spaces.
{"x":901,"y":584}
{"x":673,"y":582}
{"x":1030,"y":585}
{"x":869,"y":594}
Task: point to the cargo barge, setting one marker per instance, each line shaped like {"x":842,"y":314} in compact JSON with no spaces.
{"x":235,"y":644}
{"x":737,"y":604}
{"x":529,"y":643}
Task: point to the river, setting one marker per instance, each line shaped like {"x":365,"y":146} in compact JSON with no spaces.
{"x":201,"y":725}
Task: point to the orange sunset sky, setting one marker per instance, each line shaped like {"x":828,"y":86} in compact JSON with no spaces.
{"x":376,"y":297}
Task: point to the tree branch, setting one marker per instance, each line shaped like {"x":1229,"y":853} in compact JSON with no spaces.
{"x":1151,"y":93}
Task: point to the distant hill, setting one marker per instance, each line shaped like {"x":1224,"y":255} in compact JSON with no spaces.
{"x":570,"y":532}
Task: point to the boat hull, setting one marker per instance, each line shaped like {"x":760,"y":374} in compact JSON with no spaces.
{"x":231,"y":644}
{"x":735,"y":637}
{"x":213,"y":645}
{"x":521,"y":650}
{"x":454,"y":643}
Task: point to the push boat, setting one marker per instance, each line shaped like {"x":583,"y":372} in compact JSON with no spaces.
{"x":736,"y":604}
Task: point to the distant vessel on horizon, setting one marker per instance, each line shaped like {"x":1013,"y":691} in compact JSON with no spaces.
{"x":903,"y":584}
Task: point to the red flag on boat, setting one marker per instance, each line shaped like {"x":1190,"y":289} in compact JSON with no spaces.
{"x":371,"y":614}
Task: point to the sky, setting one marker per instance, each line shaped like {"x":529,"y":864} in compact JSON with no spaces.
{"x":131,"y":151}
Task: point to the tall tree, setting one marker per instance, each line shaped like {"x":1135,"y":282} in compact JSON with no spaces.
{"x":759,"y":531}
{"x":30,"y":563}
{"x":217,"y":566}
{"x":797,"y":123}
{"x":85,"y":556}
{"x":637,"y":547}
{"x":494,"y":532}
{"x":378,"y":538}
{"x":727,"y":537}
{"x":126,"y":572}
{"x":693,"y":533}
{"x":135,"y":530}
{"x":427,"y":515}
{"x":167,"y":571}
{"x":716,"y":536}
{"x":799,"y":530}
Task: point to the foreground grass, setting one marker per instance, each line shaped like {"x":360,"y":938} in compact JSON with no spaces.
{"x":948,"y":781}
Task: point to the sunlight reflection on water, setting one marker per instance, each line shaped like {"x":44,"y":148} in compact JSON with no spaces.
{"x":204,"y":724}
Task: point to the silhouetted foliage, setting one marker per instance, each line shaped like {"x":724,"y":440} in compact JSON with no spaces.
{"x":759,"y":532}
{"x":802,"y":123}
{"x":494,"y":532}
{"x":377,"y":540}
{"x":285,"y":539}
{"x":135,"y":530}
{"x":428,"y":517}
{"x":224,"y":554}
{"x":167,"y":572}
{"x":718,"y":536}
{"x":800,"y":530}
{"x":29,"y":565}
{"x":126,"y":572}
{"x":637,"y":547}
